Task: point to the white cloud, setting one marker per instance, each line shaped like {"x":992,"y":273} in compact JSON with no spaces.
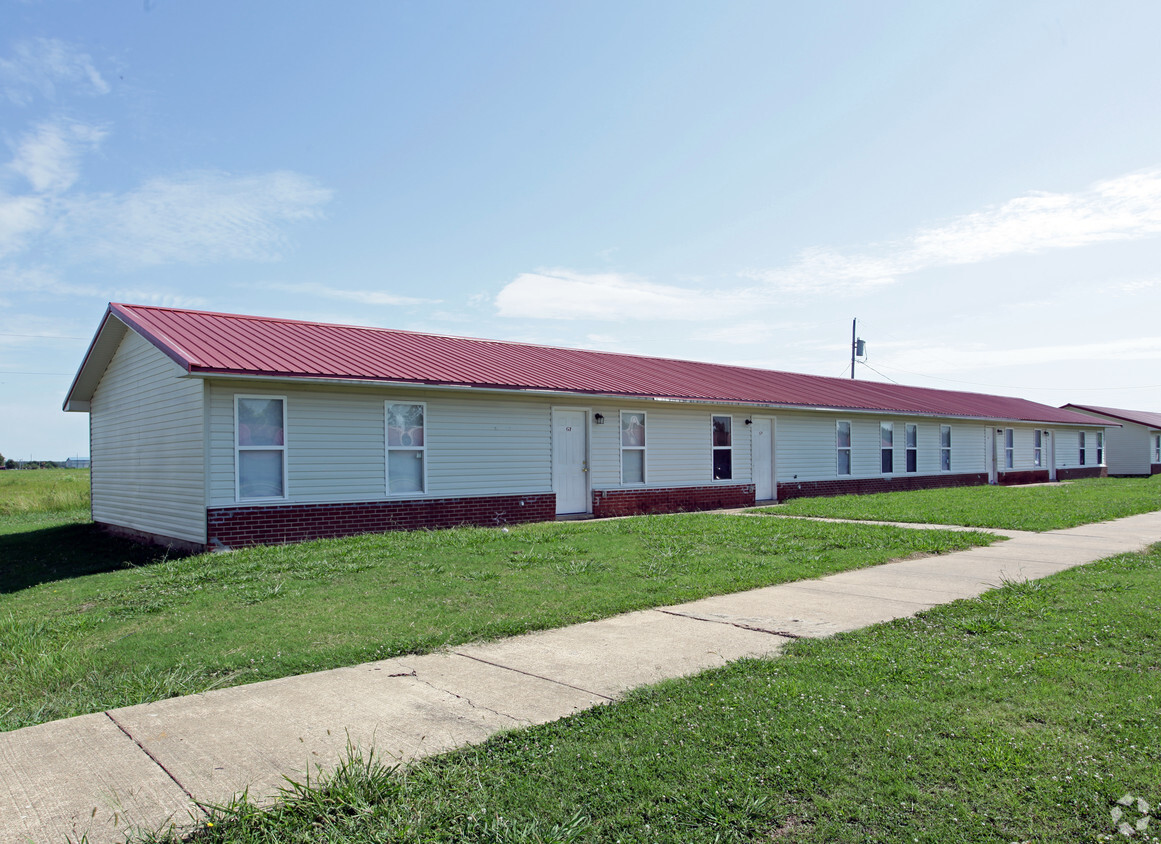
{"x":194,"y":218}
{"x":1125,"y":208}
{"x":43,"y":282}
{"x":20,"y":218}
{"x":365,"y":297}
{"x":38,"y":65}
{"x":1136,"y":285}
{"x":49,"y":157}
{"x":754,"y":332}
{"x":160,"y":298}
{"x":961,"y":357}
{"x":565,"y":294}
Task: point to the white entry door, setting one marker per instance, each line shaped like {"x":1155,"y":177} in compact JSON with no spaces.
{"x":990,"y":452}
{"x":763,"y":450}
{"x":570,"y":461}
{"x":1050,"y":449}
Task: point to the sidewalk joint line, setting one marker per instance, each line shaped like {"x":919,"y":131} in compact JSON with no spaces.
{"x":157,"y":762}
{"x":530,"y":674}
{"x":466,"y":700}
{"x":785,"y":633}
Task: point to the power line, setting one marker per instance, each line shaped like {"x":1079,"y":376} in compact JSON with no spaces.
{"x":877,"y":372}
{"x":42,"y":336}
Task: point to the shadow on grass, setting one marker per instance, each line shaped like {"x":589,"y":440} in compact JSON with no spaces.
{"x":30,"y":558}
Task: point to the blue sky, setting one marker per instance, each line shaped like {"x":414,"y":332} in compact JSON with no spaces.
{"x":979,"y":183}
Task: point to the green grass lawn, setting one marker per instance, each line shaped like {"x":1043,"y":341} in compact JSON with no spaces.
{"x":1024,"y":715}
{"x":73,"y":641}
{"x":24,"y":491}
{"x":1041,"y":507}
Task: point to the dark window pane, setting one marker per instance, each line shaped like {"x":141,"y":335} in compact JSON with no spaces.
{"x":911,"y":461}
{"x":888,"y":461}
{"x":722,"y":430}
{"x":723,"y":464}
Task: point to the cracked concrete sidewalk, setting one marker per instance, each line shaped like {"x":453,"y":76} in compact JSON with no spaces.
{"x":146,"y":766}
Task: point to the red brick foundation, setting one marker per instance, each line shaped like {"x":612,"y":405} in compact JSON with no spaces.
{"x":1030,"y":476}
{"x":862,"y":486}
{"x":1081,"y":472}
{"x":1155,"y":469}
{"x":634,"y":502}
{"x":276,"y":524}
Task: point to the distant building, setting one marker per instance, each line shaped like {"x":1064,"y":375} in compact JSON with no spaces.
{"x":219,"y":430}
{"x":78,"y":463}
{"x":1134,"y":446}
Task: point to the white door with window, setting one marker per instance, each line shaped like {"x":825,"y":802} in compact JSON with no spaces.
{"x":765,"y":488}
{"x":570,"y":461}
{"x":990,"y":436}
{"x":1050,"y":448}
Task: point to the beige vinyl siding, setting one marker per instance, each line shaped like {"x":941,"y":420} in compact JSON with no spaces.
{"x":1067,"y":447}
{"x":806,"y":446}
{"x":678,"y":445}
{"x":336,"y":449}
{"x":1129,"y":449}
{"x":146,"y":424}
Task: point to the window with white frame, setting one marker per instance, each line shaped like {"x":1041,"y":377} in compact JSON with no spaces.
{"x":887,"y":446}
{"x":842,"y":441}
{"x":1082,"y":449}
{"x":1009,"y":448}
{"x":406,"y":447}
{"x":1157,"y":448}
{"x":911,"y":443}
{"x":632,"y":446}
{"x":1100,"y":437}
{"x":945,"y":448}
{"x":260,"y":446}
{"x":723,"y":448}
{"x":1037,"y":448}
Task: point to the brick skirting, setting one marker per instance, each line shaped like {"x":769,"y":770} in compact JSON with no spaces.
{"x":1082,"y":472}
{"x":281,"y":523}
{"x":1155,"y":469}
{"x":634,"y":502}
{"x":1029,"y":476}
{"x":862,"y":486}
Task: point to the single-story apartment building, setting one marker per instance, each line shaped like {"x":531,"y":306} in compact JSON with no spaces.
{"x":1135,"y":446}
{"x":212,"y":430}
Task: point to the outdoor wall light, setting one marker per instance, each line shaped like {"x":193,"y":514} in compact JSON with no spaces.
{"x":749,"y":421}
{"x":599,"y":418}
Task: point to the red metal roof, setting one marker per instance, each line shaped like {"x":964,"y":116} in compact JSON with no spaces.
{"x":1141,"y":417}
{"x":232,"y":344}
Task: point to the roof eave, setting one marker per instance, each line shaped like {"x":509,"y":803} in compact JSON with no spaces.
{"x":97,"y":357}
{"x":395,"y":383}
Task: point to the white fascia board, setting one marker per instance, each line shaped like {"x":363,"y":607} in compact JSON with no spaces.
{"x":508,"y":391}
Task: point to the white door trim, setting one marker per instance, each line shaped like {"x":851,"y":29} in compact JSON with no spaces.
{"x":560,"y":482}
{"x":773,"y":467}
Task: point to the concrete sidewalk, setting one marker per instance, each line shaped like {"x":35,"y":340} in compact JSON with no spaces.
{"x":149,"y":765}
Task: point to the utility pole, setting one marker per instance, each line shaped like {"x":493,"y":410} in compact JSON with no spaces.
{"x":854,"y":322}
{"x":858,"y":347}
